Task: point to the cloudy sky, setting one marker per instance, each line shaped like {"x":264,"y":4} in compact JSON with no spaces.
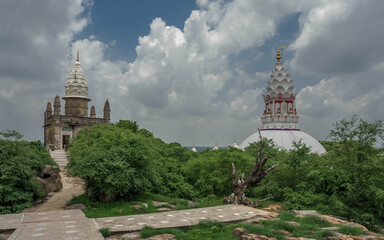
{"x":190,"y":71}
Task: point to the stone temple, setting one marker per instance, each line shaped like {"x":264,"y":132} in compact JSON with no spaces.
{"x":280,"y":119}
{"x":59,"y":129}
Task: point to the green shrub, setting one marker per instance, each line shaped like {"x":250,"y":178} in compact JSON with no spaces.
{"x":20,"y":161}
{"x":210,"y":172}
{"x":113,"y":161}
{"x":120,"y":160}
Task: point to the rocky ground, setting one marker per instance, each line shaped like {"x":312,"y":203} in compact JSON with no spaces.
{"x":54,"y":201}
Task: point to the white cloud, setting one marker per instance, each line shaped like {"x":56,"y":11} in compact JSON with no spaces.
{"x":35,"y":37}
{"x":340,"y":37}
{"x":185,"y":84}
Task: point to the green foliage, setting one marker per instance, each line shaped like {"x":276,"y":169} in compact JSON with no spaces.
{"x":204,"y":230}
{"x":211,"y":171}
{"x":105,"y":232}
{"x":20,"y":161}
{"x":121,"y":160}
{"x":113,"y":161}
{"x":11,"y":134}
{"x":347,"y":181}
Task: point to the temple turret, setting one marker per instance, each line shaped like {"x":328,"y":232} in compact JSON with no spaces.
{"x":60,"y":129}
{"x":234,"y":144}
{"x":280,"y":120}
{"x":48,"y":111}
{"x":76,"y":92}
{"x":57,"y":106}
{"x":107,"y":111}
{"x":93,"y":112}
{"x":280,"y":107}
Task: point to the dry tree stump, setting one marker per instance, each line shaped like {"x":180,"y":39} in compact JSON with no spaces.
{"x":256,"y":175}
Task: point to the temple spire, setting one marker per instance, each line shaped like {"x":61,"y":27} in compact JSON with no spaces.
{"x":278,"y":55}
{"x":78,"y":59}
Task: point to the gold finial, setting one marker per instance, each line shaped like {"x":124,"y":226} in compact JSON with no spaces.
{"x":77,"y":55}
{"x":278,"y":55}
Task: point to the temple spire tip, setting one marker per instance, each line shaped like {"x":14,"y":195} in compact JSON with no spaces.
{"x":278,"y":57}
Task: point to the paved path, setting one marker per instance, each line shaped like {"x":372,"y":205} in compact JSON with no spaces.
{"x":181,"y":218}
{"x":72,"y":186}
{"x":64,"y":224}
{"x":72,"y":224}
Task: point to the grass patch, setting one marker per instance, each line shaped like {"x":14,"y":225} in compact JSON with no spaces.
{"x":316,"y":221}
{"x":354,"y":231}
{"x":204,"y":230}
{"x":309,"y":227}
{"x":105,"y":232}
{"x":123,"y":207}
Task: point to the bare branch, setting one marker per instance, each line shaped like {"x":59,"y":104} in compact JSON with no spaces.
{"x":255,"y":176}
{"x":234,"y":174}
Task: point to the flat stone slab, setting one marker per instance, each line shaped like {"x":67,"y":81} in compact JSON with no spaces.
{"x":63,"y":230}
{"x":64,"y":224}
{"x":52,"y":216}
{"x":181,"y":218}
{"x":10,"y":221}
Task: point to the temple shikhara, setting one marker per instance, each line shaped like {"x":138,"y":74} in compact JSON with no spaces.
{"x":59,"y":129}
{"x":280,"y":119}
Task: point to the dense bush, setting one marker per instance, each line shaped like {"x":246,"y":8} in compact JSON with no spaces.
{"x":210,"y":172}
{"x":121,"y":160}
{"x":20,"y":161}
{"x":347,"y":181}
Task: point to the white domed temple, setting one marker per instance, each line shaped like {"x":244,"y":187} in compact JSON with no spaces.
{"x":280,"y":119}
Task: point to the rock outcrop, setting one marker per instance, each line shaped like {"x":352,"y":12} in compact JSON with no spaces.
{"x":50,"y":179}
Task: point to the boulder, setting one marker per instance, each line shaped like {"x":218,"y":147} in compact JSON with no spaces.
{"x":346,"y":237}
{"x":50,"y":179}
{"x":237,"y":232}
{"x":293,"y":223}
{"x":255,"y":237}
{"x":157,"y":204}
{"x":284,"y":232}
{"x":165,"y":236}
{"x":299,"y":238}
{"x":304,"y":213}
{"x":191,"y":203}
{"x":334,"y":220}
{"x":163,"y":209}
{"x":130,"y":236}
{"x":137,"y":207}
{"x":274,"y":207}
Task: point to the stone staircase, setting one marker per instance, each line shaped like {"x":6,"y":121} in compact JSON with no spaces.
{"x":60,"y":157}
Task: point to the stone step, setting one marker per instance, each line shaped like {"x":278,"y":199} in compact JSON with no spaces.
{"x":60,"y":157}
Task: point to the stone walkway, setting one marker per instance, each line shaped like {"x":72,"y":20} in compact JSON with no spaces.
{"x":72,"y":186}
{"x":72,"y":224}
{"x":64,"y":224}
{"x":181,"y":218}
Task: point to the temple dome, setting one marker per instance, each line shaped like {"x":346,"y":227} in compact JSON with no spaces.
{"x":76,"y":85}
{"x":280,"y":119}
{"x":284,"y":139}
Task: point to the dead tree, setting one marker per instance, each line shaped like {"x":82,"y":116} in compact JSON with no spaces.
{"x":256,"y":175}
